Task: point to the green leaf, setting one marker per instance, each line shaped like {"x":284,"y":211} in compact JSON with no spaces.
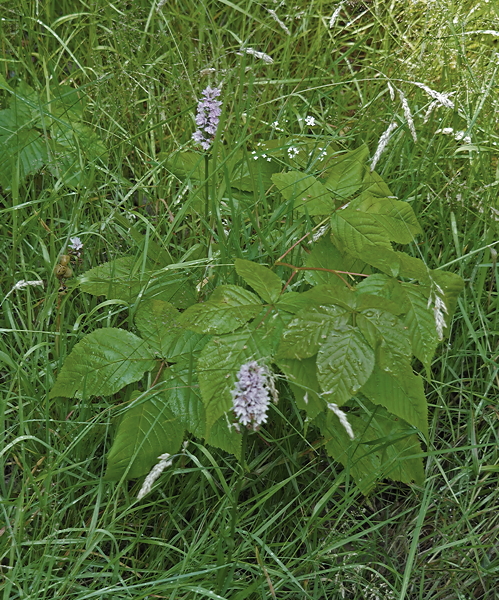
{"x":344,"y":363}
{"x":220,"y":362}
{"x":347,"y":174}
{"x":147,"y":430}
{"x":124,"y":279}
{"x":353,"y":230}
{"x":264,"y":281}
{"x":228,"y":308}
{"x":384,"y":447}
{"x":373,"y":185}
{"x":420,"y":321}
{"x":158,"y":323}
{"x":310,"y":329}
{"x":302,"y":379}
{"x":387,"y":335}
{"x":222,"y":435}
{"x":308,"y":194}
{"x":396,"y":217}
{"x":25,"y":150}
{"x":402,"y":394}
{"x":326,"y":258}
{"x":180,"y":392}
{"x":102,"y":363}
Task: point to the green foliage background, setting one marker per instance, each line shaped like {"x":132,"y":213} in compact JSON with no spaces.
{"x":303,"y":530}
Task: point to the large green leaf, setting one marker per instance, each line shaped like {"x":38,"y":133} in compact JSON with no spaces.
{"x":147,"y":430}
{"x":102,"y":363}
{"x":158,"y":323}
{"x":344,"y":363}
{"x":311,"y":327}
{"x":325,"y":258}
{"x":124,"y":279}
{"x":24,"y":150}
{"x":346,"y":175}
{"x":396,"y":217}
{"x":353,"y":230}
{"x":384,"y":447}
{"x":302,"y":379}
{"x":264,"y":281}
{"x":228,"y":308}
{"x":402,"y":394}
{"x":224,"y":436}
{"x":373,"y":185}
{"x":387,"y":335}
{"x":220,"y":362}
{"x":420,"y":322}
{"x":308,"y":194}
{"x":180,"y":392}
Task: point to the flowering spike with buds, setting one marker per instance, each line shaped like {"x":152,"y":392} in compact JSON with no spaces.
{"x":207,"y":117}
{"x":252,"y":393}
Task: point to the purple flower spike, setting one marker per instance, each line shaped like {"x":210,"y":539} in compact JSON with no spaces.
{"x":251,"y":395}
{"x":207,"y":117}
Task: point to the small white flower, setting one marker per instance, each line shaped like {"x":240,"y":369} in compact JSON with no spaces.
{"x":76,"y":244}
{"x":293,"y":151}
{"x":343,"y":419}
{"x":310,"y":121}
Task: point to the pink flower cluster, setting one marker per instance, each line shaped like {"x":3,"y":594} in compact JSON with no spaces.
{"x":207,"y":117}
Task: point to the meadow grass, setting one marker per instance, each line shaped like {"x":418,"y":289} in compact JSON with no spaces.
{"x":302,"y":530}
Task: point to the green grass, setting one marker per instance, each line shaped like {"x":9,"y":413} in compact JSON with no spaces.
{"x":302,"y":531}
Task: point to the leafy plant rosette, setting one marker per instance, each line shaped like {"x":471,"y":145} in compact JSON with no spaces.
{"x":347,"y":341}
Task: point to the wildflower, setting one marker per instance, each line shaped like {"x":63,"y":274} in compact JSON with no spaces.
{"x":76,"y":244}
{"x":293,"y":151}
{"x":310,"y":121}
{"x":343,"y":419}
{"x":164,"y":462}
{"x":383,"y":141}
{"x":252,"y":393}
{"x":265,"y":57}
{"x":207,"y":117}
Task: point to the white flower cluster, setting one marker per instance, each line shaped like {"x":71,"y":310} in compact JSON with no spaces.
{"x":252,"y":393}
